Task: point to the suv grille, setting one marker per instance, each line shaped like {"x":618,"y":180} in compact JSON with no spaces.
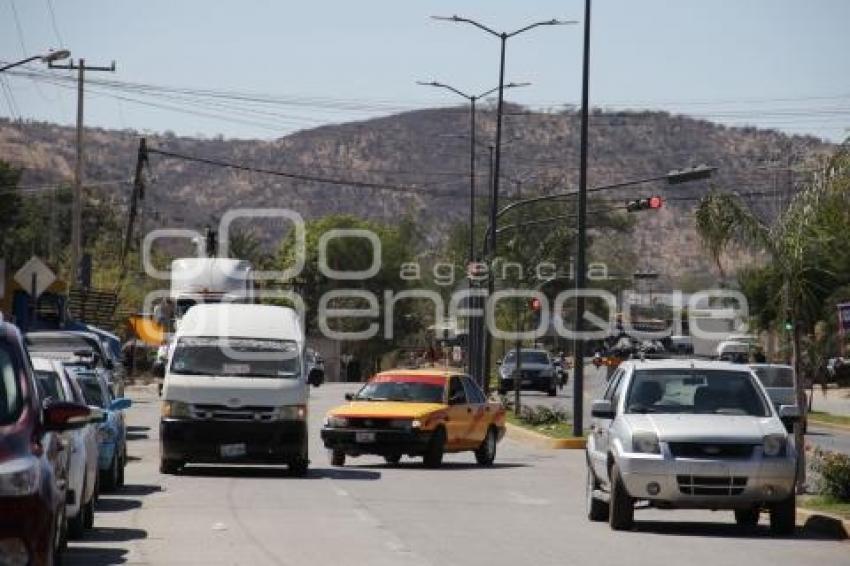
{"x":224,"y":413}
{"x":711,"y":485}
{"x":708,"y":450}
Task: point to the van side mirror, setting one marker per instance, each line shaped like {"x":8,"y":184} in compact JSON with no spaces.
{"x":602,"y":409}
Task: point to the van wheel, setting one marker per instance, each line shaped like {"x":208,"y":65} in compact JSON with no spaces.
{"x":434,"y":456}
{"x":783,"y":516}
{"x":747,"y":517}
{"x":299,"y":467}
{"x":621,"y":513}
{"x":337,"y":458}
{"x":170,"y":466}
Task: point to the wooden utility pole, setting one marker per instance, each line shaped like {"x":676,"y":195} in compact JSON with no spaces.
{"x":79,"y":169}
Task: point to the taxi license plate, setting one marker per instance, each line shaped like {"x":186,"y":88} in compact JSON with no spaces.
{"x":232,"y":450}
{"x":364,"y":437}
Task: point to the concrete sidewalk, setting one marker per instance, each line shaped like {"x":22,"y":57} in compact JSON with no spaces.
{"x":836,"y":401}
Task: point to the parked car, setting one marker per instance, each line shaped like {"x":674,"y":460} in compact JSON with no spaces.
{"x":77,"y":348}
{"x":111,"y":432}
{"x":33,"y":463}
{"x":779,"y":382}
{"x":419,"y":413}
{"x":687,"y":434}
{"x":54,"y":383}
{"x":538,"y":372}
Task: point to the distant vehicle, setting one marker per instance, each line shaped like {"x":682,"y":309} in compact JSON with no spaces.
{"x":235,"y":389}
{"x":415,"y":412}
{"x":111,"y":432}
{"x":78,"y":349}
{"x":779,"y":382}
{"x":538,"y":372}
{"x":55,"y":383}
{"x":681,"y":344}
{"x":687,"y":434}
{"x":210,"y":280}
{"x":33,"y":465}
{"x":733,"y":351}
{"x":838,"y":371}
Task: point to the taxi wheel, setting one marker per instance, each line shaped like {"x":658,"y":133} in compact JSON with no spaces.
{"x":337,"y":458}
{"x":434,"y":456}
{"x":621,"y":507}
{"x":486,"y":453}
{"x":393,"y":459}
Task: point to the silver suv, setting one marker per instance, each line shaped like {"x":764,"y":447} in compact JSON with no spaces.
{"x":688,"y":434}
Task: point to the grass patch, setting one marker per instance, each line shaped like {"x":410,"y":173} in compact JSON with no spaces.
{"x":817,"y":416}
{"x":554,"y":430}
{"x":827,"y":505}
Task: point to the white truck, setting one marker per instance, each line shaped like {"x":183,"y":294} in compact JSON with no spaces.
{"x":210,"y":280}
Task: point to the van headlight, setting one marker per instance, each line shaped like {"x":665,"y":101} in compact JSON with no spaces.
{"x":292,"y":413}
{"x":175,"y":410}
{"x":19,"y":477}
{"x":774,"y":445}
{"x":645,"y":443}
{"x":332,"y":421}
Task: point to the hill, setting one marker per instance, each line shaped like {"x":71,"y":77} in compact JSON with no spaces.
{"x":425,"y":155}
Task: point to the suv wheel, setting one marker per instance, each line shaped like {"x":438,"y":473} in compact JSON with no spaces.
{"x":110,"y":476}
{"x":747,"y":517}
{"x":597,"y":510}
{"x":169,"y":466}
{"x":621,"y":514}
{"x":553,"y":389}
{"x":783,"y":516}
{"x":299,"y":467}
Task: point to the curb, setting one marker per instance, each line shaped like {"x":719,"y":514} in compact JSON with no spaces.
{"x":524,"y":435}
{"x":827,"y":424}
{"x":824,"y":523}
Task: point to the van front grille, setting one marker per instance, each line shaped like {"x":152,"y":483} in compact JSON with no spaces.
{"x":241,"y":414}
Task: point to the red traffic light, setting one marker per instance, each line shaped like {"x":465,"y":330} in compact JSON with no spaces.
{"x":535,"y":304}
{"x":656,"y":202}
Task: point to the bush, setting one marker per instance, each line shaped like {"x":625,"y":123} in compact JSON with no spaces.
{"x":833,"y":470}
{"x":542,"y":415}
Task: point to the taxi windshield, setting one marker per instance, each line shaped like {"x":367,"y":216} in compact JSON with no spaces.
{"x":401,"y":390}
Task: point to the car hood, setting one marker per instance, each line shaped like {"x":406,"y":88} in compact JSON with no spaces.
{"x":706,"y":428}
{"x":392,"y":409}
{"x":529,"y":366}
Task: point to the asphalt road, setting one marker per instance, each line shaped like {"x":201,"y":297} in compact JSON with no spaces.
{"x":527,"y":509}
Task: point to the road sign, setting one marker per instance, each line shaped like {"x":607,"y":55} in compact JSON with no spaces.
{"x":35,"y":276}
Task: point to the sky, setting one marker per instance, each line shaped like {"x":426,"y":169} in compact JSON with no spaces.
{"x":782,"y":64}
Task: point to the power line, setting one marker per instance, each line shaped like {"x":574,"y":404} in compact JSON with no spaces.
{"x":53,"y":23}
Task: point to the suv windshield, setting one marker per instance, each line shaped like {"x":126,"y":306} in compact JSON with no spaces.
{"x":527,"y":357}
{"x":10,"y":393}
{"x":407,"y":391}
{"x":775,"y":376}
{"x":236,"y":357}
{"x":695,"y":391}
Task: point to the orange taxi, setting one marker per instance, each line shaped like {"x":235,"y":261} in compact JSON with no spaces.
{"x":420,"y":412}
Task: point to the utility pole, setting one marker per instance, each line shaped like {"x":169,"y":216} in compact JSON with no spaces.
{"x":79,"y":169}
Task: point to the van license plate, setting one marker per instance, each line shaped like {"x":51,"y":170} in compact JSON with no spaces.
{"x":232,"y":450}
{"x":364,"y":437}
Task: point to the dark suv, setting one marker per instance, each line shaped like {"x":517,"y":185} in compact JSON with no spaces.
{"x":33,"y":459}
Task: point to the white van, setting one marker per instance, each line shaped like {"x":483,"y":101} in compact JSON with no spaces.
{"x":235,"y":389}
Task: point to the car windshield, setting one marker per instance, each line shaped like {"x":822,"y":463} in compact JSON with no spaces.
{"x":92,"y":391}
{"x":527,"y":357}
{"x":236,"y":357}
{"x":695,"y":391}
{"x":775,"y":376}
{"x":10,"y":393}
{"x":48,"y":384}
{"x":402,"y":390}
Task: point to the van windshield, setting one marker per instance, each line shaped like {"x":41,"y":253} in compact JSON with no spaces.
{"x":236,"y":357}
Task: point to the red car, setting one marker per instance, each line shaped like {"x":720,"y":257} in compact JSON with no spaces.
{"x":33,"y":459}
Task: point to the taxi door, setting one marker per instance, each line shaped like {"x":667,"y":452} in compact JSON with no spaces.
{"x":459,"y":415}
{"x":482,"y":414}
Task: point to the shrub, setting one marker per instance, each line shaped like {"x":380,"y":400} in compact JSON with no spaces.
{"x":833,"y":470}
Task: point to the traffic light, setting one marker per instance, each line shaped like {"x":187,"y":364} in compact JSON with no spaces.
{"x":653,"y":202}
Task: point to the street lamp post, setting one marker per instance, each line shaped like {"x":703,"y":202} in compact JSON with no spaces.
{"x":494,"y":203}
{"x":48,"y":58}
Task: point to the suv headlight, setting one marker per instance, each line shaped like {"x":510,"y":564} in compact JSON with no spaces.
{"x":292,"y":413}
{"x":19,"y":477}
{"x":774,"y":445}
{"x":645,"y":443}
{"x":336,"y":422}
{"x":175,"y":410}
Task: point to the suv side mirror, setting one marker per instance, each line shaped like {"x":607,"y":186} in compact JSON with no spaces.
{"x":602,"y":409}
{"x":62,"y":415}
{"x":790,"y":412}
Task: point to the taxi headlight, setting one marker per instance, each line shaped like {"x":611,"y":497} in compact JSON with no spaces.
{"x":336,"y":422}
{"x":175,"y":410}
{"x":292,"y":413}
{"x":19,"y":477}
{"x":774,"y":445}
{"x":645,"y":443}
